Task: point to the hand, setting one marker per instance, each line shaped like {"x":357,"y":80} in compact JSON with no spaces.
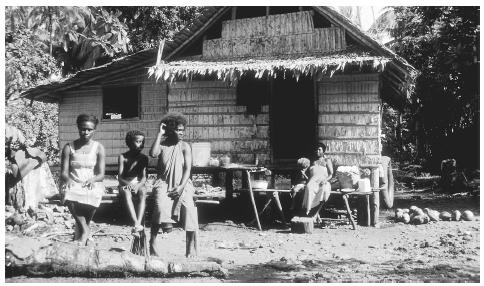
{"x":175,"y":192}
{"x":88,"y":184}
{"x":162,"y":128}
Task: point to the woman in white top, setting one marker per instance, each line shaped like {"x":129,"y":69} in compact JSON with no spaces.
{"x":82,"y":173}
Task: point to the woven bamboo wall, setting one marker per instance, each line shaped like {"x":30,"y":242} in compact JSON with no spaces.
{"x":213,"y":116}
{"x":349,"y":118}
{"x":274,"y":35}
{"x":111,"y":133}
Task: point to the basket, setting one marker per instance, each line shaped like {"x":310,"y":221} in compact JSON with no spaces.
{"x":347,"y":176}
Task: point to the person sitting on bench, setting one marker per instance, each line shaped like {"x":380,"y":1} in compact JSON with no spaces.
{"x":318,"y":188}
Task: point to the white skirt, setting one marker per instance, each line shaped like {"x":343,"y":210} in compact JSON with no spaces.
{"x":75,"y":192}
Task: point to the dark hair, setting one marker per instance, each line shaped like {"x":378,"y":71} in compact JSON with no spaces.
{"x":87,"y":117}
{"x":173,"y":119}
{"x":322,"y":145}
{"x":131,"y":135}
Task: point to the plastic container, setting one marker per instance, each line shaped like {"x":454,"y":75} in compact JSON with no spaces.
{"x":364,"y":185}
{"x":201,"y":153}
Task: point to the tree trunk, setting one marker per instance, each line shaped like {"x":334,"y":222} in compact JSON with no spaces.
{"x":40,"y":257}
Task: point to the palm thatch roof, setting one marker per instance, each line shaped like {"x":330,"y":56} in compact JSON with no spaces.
{"x":232,"y":70}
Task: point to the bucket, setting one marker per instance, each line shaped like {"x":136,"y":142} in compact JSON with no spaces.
{"x":364,"y":185}
{"x":200,"y":153}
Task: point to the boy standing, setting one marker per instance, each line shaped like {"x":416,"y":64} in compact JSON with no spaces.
{"x":132,"y":177}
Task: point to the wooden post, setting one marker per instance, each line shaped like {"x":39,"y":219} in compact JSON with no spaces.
{"x":348,"y":211}
{"x":279,"y":206}
{"x":234,"y":13}
{"x":252,"y":200}
{"x":375,"y":197}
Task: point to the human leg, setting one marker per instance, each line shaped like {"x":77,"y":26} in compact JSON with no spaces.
{"x":141,"y":205}
{"x":189,"y":218}
{"x":128,"y":202}
{"x":76,"y":210}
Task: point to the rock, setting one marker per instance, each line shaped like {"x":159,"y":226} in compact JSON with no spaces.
{"x":272,"y":250}
{"x":467,"y":215}
{"x":16,"y":219}
{"x":8,"y":227}
{"x":456,"y":215}
{"x":433,"y":215}
{"x":412,"y":209}
{"x":445,"y":216}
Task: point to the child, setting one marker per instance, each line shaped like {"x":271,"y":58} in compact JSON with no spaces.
{"x":300,"y":180}
{"x":132,"y":177}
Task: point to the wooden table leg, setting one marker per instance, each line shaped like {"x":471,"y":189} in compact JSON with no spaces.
{"x":279,"y":206}
{"x":368,"y":211}
{"x":348,"y":211}
{"x":375,"y":197}
{"x":268,"y":202}
{"x":252,"y":200}
{"x":229,"y":186}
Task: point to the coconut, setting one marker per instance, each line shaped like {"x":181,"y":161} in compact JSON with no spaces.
{"x":433,"y":215}
{"x":445,"y":215}
{"x":413,"y":209}
{"x":467,"y":215}
{"x":419,"y":212}
{"x":418,"y":219}
{"x":456,"y":215}
{"x":398,"y":211}
{"x":399,"y":216}
{"x":406,"y":211}
{"x":406,"y":218}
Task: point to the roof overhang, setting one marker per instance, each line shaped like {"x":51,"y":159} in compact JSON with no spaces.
{"x":232,"y":70}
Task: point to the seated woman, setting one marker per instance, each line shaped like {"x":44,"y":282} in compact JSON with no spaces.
{"x":318,"y":188}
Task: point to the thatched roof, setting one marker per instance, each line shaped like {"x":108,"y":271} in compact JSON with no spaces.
{"x":267,"y":67}
{"x":396,"y":69}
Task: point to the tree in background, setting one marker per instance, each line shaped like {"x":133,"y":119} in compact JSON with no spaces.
{"x":26,"y":65}
{"x":442,"y":43}
{"x":147,"y":25}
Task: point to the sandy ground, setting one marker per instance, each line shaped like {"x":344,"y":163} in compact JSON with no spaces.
{"x":444,"y":251}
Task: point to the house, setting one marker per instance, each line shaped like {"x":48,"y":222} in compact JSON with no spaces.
{"x":265,"y":82}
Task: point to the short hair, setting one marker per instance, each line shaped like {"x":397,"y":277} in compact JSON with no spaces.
{"x":322,"y":145}
{"x":132,"y":134}
{"x":303,"y":163}
{"x":173,"y":119}
{"x":87,"y":117}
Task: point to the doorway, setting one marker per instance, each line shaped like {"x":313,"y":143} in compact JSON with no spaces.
{"x":293,"y":119}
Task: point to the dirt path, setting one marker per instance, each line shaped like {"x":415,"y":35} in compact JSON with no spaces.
{"x":436,"y":252}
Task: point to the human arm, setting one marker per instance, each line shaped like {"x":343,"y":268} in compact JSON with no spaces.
{"x":65,"y":157}
{"x":187,"y":167}
{"x":155,"y":147}
{"x":100,"y":167}
{"x":121,"y":179}
{"x":329,"y":166}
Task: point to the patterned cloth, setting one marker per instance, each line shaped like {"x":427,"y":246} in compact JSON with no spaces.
{"x":82,"y":169}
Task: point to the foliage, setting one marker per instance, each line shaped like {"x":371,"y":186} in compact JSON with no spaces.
{"x":26,"y":66}
{"x":78,"y":37}
{"x":148,"y":25}
{"x":442,"y":43}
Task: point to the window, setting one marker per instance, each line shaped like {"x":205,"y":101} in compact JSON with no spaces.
{"x":121,"y":102}
{"x":253,"y":93}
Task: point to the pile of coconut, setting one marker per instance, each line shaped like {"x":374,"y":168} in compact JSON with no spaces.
{"x":416,"y":215}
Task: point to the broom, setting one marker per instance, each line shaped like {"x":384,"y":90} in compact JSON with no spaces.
{"x":139,"y":244}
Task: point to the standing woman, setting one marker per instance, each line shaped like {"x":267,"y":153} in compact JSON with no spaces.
{"x":173,"y":190}
{"x":82,"y":173}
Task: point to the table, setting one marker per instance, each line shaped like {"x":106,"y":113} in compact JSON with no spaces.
{"x":229,"y":170}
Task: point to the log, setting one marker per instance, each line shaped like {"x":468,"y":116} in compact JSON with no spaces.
{"x":40,"y":257}
{"x":302,"y":224}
